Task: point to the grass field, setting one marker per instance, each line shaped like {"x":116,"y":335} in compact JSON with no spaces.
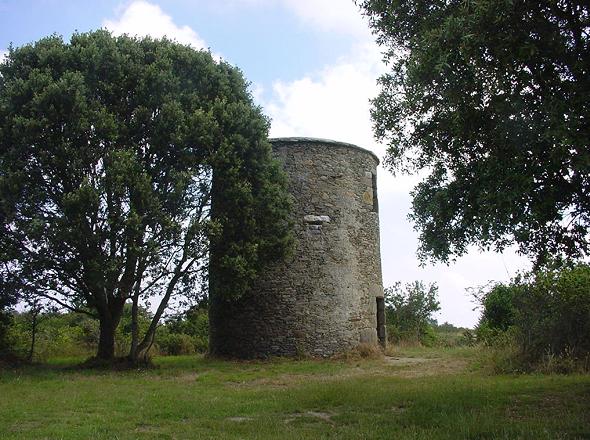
{"x":415,"y":394}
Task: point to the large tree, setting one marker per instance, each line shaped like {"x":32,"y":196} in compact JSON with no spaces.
{"x":109,"y":147}
{"x":489,"y":100}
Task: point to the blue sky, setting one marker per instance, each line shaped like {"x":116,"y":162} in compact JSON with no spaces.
{"x":313,"y":66}
{"x":261,"y":37}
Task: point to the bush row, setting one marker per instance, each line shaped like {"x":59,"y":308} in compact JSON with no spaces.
{"x":539,"y":321}
{"x":76,"y":335}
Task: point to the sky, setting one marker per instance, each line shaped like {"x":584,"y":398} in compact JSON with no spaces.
{"x":313,"y":67}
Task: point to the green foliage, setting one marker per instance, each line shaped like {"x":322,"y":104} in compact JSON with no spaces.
{"x":5,"y":323}
{"x":549,"y":325}
{"x":58,"y":334}
{"x":489,"y":98}
{"x":447,"y":327}
{"x":8,"y":298}
{"x":449,"y":335}
{"x":123,"y":334}
{"x":498,"y":309}
{"x":73,"y":334}
{"x":175,"y":343}
{"x":193,"y":323}
{"x":409,"y":311}
{"x":428,"y":337}
{"x":553,"y":313}
{"x":497,"y":313}
{"x":501,"y":353}
{"x":111,"y":151}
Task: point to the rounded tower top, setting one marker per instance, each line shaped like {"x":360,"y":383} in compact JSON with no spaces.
{"x":311,"y":140}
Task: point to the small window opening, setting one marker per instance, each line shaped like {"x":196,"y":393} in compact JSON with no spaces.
{"x":375,"y":200}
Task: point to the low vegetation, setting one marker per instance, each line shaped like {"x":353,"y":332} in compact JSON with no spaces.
{"x":50,"y":334}
{"x":540,"y":321}
{"x":410,"y":318}
{"x":416,"y":393}
{"x":409,"y":310}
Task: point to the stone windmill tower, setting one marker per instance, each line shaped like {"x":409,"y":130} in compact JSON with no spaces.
{"x":328,"y":297}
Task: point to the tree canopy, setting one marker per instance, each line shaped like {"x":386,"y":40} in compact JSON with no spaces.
{"x":489,"y":99}
{"x":110,"y":149}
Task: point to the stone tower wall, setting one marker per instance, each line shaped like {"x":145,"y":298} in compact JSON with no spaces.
{"x":323,"y":300}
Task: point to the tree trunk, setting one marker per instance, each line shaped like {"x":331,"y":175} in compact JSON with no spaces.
{"x":134,"y":328}
{"x":106,"y":341}
{"x":133,"y":350}
{"x":108,"y":323}
{"x":148,"y":339}
{"x":34,"y":313}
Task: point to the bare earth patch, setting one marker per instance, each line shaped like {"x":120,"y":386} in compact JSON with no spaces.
{"x":421,"y":367}
{"x":403,"y":361}
{"x":239,"y":419}
{"x":396,"y":366}
{"x":311,"y":415}
{"x":146,"y":428}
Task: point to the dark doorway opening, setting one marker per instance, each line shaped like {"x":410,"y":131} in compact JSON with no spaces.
{"x":381,"y":333}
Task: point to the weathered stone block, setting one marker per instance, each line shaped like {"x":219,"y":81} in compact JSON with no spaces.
{"x":316,"y":219}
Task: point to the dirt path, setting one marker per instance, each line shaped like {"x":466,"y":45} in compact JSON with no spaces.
{"x":420,"y":366}
{"x":393,"y":366}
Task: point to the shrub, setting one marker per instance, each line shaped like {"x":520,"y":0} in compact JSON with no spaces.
{"x":58,"y":334}
{"x":175,"y":344}
{"x":468,"y":338}
{"x":5,"y":323}
{"x":498,"y":307}
{"x":409,"y":311}
{"x":195,"y":323}
{"x":552,"y":313}
{"x":545,"y":314}
{"x":502,"y":354}
{"x":123,"y":333}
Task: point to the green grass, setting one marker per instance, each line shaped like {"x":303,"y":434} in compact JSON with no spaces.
{"x":424,"y":394}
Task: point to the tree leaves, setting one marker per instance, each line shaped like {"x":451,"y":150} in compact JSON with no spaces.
{"x":108,"y":149}
{"x":490,"y":98}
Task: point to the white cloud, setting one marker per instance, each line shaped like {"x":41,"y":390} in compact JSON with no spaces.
{"x":330,"y":15}
{"x":141,"y":18}
{"x":341,"y":16}
{"x":332,"y":103}
{"x":3,"y":54}
{"x":257,"y":91}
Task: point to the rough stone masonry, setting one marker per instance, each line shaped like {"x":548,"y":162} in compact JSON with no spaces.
{"x":328,"y":297}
